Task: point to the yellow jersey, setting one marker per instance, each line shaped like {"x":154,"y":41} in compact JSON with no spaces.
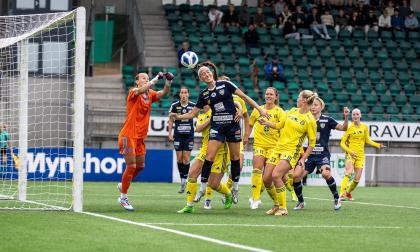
{"x":355,"y":138}
{"x":295,"y":127}
{"x":242,"y":102}
{"x":264,"y":136}
{"x":201,"y":119}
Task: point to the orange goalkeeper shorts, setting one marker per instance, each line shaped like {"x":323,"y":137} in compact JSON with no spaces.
{"x":131,"y":146}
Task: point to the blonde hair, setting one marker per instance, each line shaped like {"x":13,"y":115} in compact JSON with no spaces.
{"x":320,"y":101}
{"x":276,"y":92}
{"x":308,"y":96}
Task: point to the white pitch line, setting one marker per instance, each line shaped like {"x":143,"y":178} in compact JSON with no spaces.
{"x":272,"y":225}
{"x":204,"y":238}
{"x":371,"y":204}
{"x":352,"y":202}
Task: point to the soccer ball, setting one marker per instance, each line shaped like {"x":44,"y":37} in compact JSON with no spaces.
{"x":189,"y":59}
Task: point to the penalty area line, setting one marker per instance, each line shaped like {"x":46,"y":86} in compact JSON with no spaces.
{"x":272,"y":225}
{"x":181,"y":233}
{"x":369,"y":204}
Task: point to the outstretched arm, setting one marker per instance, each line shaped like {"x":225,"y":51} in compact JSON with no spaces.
{"x":190,"y":115}
{"x":251,"y":102}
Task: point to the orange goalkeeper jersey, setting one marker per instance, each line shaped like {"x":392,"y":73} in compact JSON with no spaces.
{"x":137,"y":119}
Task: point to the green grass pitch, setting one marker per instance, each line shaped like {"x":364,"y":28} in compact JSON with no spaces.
{"x":380,"y":219}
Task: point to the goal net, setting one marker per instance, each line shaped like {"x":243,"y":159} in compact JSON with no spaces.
{"x":42,"y":110}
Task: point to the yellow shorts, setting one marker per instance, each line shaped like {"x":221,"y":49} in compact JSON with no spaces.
{"x":358,"y":162}
{"x":241,"y":148}
{"x":221,"y":161}
{"x":264,"y":152}
{"x":291,"y":156}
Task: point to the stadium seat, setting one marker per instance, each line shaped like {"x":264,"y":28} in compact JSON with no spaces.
{"x":317,"y":75}
{"x":322,"y":87}
{"x":380,"y":89}
{"x":400,"y":100}
{"x":307,"y":44}
{"x":378,"y":110}
{"x":333,"y":108}
{"x":414,"y":37}
{"x":374,"y":76}
{"x":385,"y":99}
{"x":370,"y":99}
{"x":387,"y":65}
{"x":392,"y":110}
{"x":315,"y":65}
{"x":351,"y":87}
{"x":359,"y":65}
{"x":356,"y":99}
{"x":312,"y":53}
{"x":284,"y":97}
{"x":292,"y":87}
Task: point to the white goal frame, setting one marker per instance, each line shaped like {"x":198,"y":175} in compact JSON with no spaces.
{"x":78,"y":110}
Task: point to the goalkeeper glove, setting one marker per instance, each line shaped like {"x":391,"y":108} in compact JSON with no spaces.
{"x":158,"y":77}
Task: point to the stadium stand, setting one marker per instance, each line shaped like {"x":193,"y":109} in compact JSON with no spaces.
{"x":378,"y":76}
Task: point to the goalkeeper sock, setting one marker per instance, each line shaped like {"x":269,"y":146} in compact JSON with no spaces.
{"x":139,"y":168}
{"x":256,"y":183}
{"x":281,"y":196}
{"x":127,"y":177}
{"x":235,"y":168}
{"x":344,"y":184}
{"x":273,"y":195}
{"x":298,"y":190}
{"x":191,"y":190}
{"x":333,"y":187}
{"x":353,"y":185}
{"x":209,"y":192}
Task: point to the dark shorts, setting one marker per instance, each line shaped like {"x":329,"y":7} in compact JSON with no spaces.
{"x":230,"y":133}
{"x":316,"y":162}
{"x":3,"y":151}
{"x":184,"y":142}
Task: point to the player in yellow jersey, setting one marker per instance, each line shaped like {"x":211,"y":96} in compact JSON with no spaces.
{"x":219,"y":167}
{"x":298,"y":125}
{"x":265,"y":139}
{"x":353,"y":142}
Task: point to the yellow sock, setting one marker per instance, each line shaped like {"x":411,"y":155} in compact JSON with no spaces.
{"x":223,"y":189}
{"x":344,"y":184}
{"x":352,"y":185}
{"x":273,"y":195}
{"x":289,"y":183}
{"x":229,"y":183}
{"x":209,"y":192}
{"x":191,"y":190}
{"x":262,"y":186}
{"x":256,"y":184}
{"x":281,"y":196}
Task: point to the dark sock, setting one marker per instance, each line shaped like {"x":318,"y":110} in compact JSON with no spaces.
{"x":333,"y":187}
{"x":186,"y":169}
{"x":235,"y":170}
{"x":205,"y":171}
{"x":298,"y":190}
{"x":181,"y":169}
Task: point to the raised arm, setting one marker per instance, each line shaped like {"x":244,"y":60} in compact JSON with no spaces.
{"x":165,"y":89}
{"x":251,"y":102}
{"x":343,"y":126}
{"x":247,"y":130}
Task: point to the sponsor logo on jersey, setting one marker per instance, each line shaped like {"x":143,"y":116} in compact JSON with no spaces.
{"x":222,"y":92}
{"x":184,"y":111}
{"x":322,"y":125}
{"x":213,"y":95}
{"x":302,"y":122}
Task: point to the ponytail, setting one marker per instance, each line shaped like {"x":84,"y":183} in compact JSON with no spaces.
{"x":308,"y":96}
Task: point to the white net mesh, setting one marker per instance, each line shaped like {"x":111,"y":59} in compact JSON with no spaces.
{"x":41,"y":49}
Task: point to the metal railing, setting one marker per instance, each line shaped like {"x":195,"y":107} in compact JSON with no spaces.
{"x":137,"y":28}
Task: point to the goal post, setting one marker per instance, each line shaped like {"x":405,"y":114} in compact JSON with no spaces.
{"x":42,"y":105}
